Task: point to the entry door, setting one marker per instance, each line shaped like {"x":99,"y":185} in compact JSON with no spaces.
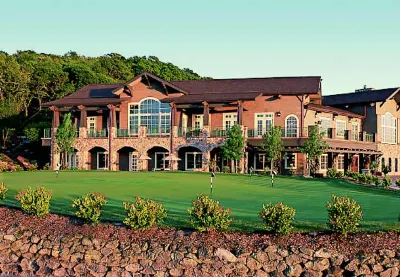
{"x":133,"y":161}
{"x":263,"y":122}
{"x":197,"y":121}
{"x":354,"y":164}
{"x":91,"y":124}
{"x":102,"y":160}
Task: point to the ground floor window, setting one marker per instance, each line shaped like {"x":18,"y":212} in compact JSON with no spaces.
{"x":194,"y":160}
{"x":323,"y":162}
{"x":340,"y":162}
{"x":260,"y":161}
{"x":396,"y":164}
{"x":133,"y":161}
{"x":102,"y":160}
{"x":73,"y":160}
{"x":390,"y":164}
{"x":291,"y":161}
{"x":160,"y":162}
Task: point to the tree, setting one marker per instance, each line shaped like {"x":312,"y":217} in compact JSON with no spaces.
{"x":232,"y":149}
{"x":272,"y":145}
{"x":314,"y":147}
{"x":10,"y":110}
{"x":64,"y":138}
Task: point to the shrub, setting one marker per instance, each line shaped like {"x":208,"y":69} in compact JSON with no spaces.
{"x":362,"y":178}
{"x":377,"y":181}
{"x":344,"y":214}
{"x":339,"y":174}
{"x":35,"y":201}
{"x":332,"y":173}
{"x":88,"y":207}
{"x":207,"y":214}
{"x":278,"y":218}
{"x":143,"y":213}
{"x":226,"y":169}
{"x":47,"y":167}
{"x":370,"y":179}
{"x":398,"y":182}
{"x":385,"y":169}
{"x":32,"y":167}
{"x":3,"y":191}
{"x":386,"y":182}
{"x":17,"y":167}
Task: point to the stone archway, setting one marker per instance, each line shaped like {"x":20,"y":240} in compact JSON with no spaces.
{"x":98,"y":158}
{"x":191,"y":158}
{"x":127,"y":159}
{"x":157,"y":155}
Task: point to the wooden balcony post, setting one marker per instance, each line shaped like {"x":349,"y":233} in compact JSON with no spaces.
{"x":206,"y":113}
{"x":240,"y":113}
{"x":83,"y":122}
{"x":56,"y":116}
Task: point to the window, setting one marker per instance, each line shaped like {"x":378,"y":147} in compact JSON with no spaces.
{"x":390,"y":164}
{"x":133,"y":161}
{"x":160,"y":162}
{"x":91,"y":125}
{"x":389,"y":129}
{"x":260,"y":161}
{"x":355,"y":131}
{"x":263,"y":122}
{"x":383,"y":162}
{"x":102,"y":160}
{"x":291,"y":161}
{"x":151,"y":113}
{"x":198,"y":121}
{"x":396,"y":165}
{"x":73,"y":160}
{"x":194,"y":160}
{"x":340,"y":128}
{"x":325,"y":125}
{"x":340,"y":162}
{"x":291,"y":126}
{"x":230,"y":119}
{"x":323,"y":162}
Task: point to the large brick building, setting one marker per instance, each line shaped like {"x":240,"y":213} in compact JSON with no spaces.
{"x":151,"y":124}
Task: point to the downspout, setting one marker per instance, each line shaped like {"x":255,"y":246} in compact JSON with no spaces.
{"x":302,"y":116}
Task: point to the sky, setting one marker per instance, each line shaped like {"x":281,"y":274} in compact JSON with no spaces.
{"x":349,"y":43}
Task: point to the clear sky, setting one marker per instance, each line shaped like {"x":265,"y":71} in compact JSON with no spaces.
{"x":349,"y":43}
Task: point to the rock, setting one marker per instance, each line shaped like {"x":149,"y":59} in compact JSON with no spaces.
{"x":352,"y":265}
{"x":261,"y":273}
{"x":271,"y":249}
{"x":35,"y":239}
{"x":112,"y":274}
{"x":293,"y":270}
{"x":363,"y":270}
{"x":80,"y":269}
{"x":132,"y":268}
{"x":175,"y":272}
{"x":377,"y":268}
{"x":283,"y":252}
{"x":16,"y":245}
{"x":9,"y":237}
{"x":226,"y":255}
{"x":241,"y":269}
{"x":387,"y":253}
{"x":281,"y":266}
{"x":391,"y":272}
{"x":252,"y":264}
{"x":317,"y":265}
{"x":311,"y":273}
{"x":147,"y":270}
{"x":337,"y":260}
{"x":86,"y":241}
{"x":262,"y":257}
{"x":270,"y":266}
{"x":189,"y":263}
{"x":60,"y":272}
{"x":322,"y":253}
{"x":293,"y":259}
{"x":33,"y":249}
{"x":307,"y":251}
{"x":25,"y":265}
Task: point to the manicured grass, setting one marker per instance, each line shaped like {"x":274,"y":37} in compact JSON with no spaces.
{"x":243,"y":194}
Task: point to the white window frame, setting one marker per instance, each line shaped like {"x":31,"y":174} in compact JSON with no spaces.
{"x":199,"y":118}
{"x":163,"y":161}
{"x":264,"y":159}
{"x":297,"y":126}
{"x":392,"y":133}
{"x":340,"y":156}
{"x":133,"y":161}
{"x":139,"y":115}
{"x":355,"y":135}
{"x":295,"y":161}
{"x":186,"y":161}
{"x":264,"y":117}
{"x":325,"y":128}
{"x":73,"y":160}
{"x":320,"y":163}
{"x":231,"y":118}
{"x":107,"y":160}
{"x":344,"y":129}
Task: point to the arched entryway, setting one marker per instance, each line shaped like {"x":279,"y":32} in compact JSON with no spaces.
{"x":217,"y":161}
{"x":191,"y":159}
{"x":127,"y":159}
{"x":98,"y":158}
{"x":157,"y":154}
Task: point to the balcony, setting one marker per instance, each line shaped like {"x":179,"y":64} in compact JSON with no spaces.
{"x":97,"y":133}
{"x":127,"y":133}
{"x":154,"y":132}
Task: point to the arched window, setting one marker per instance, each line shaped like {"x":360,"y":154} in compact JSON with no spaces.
{"x":389,"y":128}
{"x":151,"y":113}
{"x":291,"y":126}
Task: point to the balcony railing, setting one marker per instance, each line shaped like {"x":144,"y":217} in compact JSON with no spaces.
{"x":47,"y":133}
{"x":218,"y":133}
{"x":158,"y":131}
{"x":127,"y":133}
{"x":97,"y":133}
{"x":189,"y":132}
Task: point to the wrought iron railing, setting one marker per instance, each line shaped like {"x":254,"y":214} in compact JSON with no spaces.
{"x":126,"y":133}
{"x":97,"y":133}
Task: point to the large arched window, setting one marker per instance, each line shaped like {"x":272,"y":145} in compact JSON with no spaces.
{"x":151,"y":113}
{"x":291,"y":126}
{"x":389,"y":128}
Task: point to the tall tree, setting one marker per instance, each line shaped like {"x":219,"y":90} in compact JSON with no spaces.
{"x":314,"y":147}
{"x":64,"y":138}
{"x":272,"y":145}
{"x":10,"y":110}
{"x":233,"y":147}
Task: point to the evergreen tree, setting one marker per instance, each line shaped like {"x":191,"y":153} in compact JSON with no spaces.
{"x":233,"y":146}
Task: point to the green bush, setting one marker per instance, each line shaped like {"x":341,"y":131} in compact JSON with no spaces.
{"x":376,"y":180}
{"x":344,"y":214}
{"x":398,"y":182}
{"x":3,"y":191}
{"x":88,"y":207}
{"x":332,"y":173}
{"x":207,"y":214}
{"x":35,"y":201}
{"x":47,"y":166}
{"x":17,"y":167}
{"x":339,"y":174}
{"x":226,"y":169}
{"x":278,"y":218}
{"x":385,"y":169}
{"x":362,"y":178}
{"x":143,"y":213}
{"x":386,"y":182}
{"x":32,"y":167}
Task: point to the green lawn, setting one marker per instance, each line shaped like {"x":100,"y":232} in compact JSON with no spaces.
{"x":244,"y":194}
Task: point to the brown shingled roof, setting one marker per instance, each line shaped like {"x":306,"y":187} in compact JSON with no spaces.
{"x":266,"y":86}
{"x":328,"y":109}
{"x":366,"y":96}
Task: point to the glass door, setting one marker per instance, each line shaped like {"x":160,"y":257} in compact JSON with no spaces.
{"x":264,"y":122}
{"x":133,"y":162}
{"x":102,"y":160}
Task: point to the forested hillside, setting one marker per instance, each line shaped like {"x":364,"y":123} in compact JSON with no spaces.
{"x":28,"y":79}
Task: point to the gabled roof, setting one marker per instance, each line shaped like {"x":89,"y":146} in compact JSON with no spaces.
{"x":212,"y":97}
{"x":328,"y":109}
{"x":366,"y":96}
{"x":90,"y":95}
{"x":265,"y":86}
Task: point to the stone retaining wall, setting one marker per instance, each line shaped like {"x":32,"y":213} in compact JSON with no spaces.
{"x":23,"y":253}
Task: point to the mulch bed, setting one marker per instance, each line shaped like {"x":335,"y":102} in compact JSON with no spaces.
{"x":53,"y":224}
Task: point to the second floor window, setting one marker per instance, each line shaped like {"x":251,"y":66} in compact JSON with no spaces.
{"x":291,"y":126}
{"x":263,"y":122}
{"x":230,"y":119}
{"x":340,"y":128}
{"x":198,"y":121}
{"x":325,"y":125}
{"x":389,"y":128}
{"x":151,"y":113}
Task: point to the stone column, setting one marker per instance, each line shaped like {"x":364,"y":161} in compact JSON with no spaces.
{"x":142,"y":132}
{"x":240,"y":113}
{"x":83,"y":122}
{"x":206,"y":113}
{"x":55,"y":157}
{"x":206,"y":159}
